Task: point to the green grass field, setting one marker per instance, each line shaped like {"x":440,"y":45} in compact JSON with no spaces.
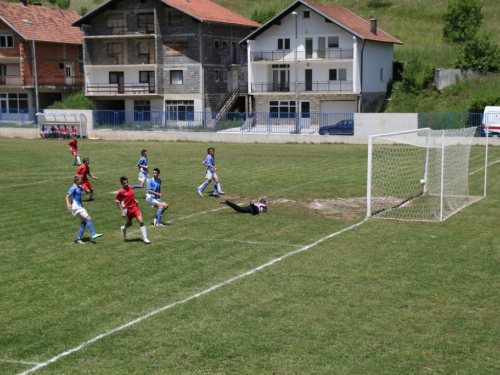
{"x":217,"y":292}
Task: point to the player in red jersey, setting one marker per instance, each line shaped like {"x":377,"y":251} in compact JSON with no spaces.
{"x":84,"y":171}
{"x":73,"y":147}
{"x":129,"y":208}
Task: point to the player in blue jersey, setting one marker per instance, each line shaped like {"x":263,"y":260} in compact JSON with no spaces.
{"x":154,"y":195}
{"x":75,"y":206}
{"x":142,"y":164}
{"x":211,"y":174}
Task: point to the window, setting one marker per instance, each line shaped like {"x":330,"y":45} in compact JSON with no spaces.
{"x":116,"y":50}
{"x":176,"y":77}
{"x":174,"y":18}
{"x":216,"y":44}
{"x":116,"y":21}
{"x":333,"y":42}
{"x":217,"y":75}
{"x":6,"y":41}
{"x":284,"y":43}
{"x":306,"y":14}
{"x":147,"y":51}
{"x":282,"y":109}
{"x":224,"y":45}
{"x":381,"y":74}
{"x":142,"y":110}
{"x":148,"y":77}
{"x":180,"y":109}
{"x":61,"y":65}
{"x":146,"y":20}
{"x":14,"y":102}
{"x":337,"y":74}
{"x":68,"y":72}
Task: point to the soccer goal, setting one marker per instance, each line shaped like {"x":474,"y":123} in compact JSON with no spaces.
{"x":419,"y":175}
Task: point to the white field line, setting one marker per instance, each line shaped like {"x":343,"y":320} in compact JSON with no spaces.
{"x":167,"y":307}
{"x":482,"y":168}
{"x":66,"y":177}
{"x":18,"y":362}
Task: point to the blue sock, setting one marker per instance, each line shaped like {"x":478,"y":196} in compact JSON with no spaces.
{"x":136,"y":186}
{"x":202,"y":187}
{"x":80,"y":232}
{"x":159,"y":214}
{"x":91,"y":226}
{"x":216,"y":186}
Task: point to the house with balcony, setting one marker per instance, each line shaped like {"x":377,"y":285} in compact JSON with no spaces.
{"x":318,"y":58}
{"x":149,"y":57}
{"x":39,"y":57}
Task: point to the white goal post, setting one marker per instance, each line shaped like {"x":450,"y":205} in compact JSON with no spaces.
{"x":420,"y":175}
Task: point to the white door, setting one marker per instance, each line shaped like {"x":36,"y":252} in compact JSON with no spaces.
{"x":68,"y":75}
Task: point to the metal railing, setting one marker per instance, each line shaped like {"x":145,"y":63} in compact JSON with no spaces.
{"x":308,"y":55}
{"x":42,"y":79}
{"x":307,"y":86}
{"x":442,"y":121}
{"x":18,"y":118}
{"x":115,"y":88}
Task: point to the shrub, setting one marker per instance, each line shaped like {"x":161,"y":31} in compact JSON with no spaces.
{"x":479,"y":53}
{"x":478,"y":103}
{"x":76,"y":101}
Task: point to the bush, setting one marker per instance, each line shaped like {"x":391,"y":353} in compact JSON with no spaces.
{"x":262,"y":16}
{"x":76,"y":101}
{"x":417,"y":76}
{"x":478,"y":103}
{"x":479,"y":53}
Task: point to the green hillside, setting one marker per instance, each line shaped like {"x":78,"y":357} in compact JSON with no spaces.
{"x":417,"y":23}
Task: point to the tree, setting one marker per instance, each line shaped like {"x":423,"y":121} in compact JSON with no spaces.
{"x":479,"y":53}
{"x":462,"y":20}
{"x":63,"y":4}
{"x":262,"y":16}
{"x":76,"y":101}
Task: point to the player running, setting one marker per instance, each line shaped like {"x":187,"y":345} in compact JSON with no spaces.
{"x":126,"y":195}
{"x":84,"y":171}
{"x":154,"y":195}
{"x":211,"y":169}
{"x":76,"y":208}
{"x":73,"y":147}
{"x":142,"y":164}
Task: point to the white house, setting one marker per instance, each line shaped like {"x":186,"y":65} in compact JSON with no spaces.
{"x":318,"y":58}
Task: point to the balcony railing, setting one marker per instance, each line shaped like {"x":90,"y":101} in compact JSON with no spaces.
{"x":42,"y":80}
{"x":10,"y":81}
{"x":312,"y":86}
{"x":125,"y":89}
{"x":309,"y":55}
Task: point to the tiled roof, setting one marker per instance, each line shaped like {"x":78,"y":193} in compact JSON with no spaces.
{"x":208,"y":11}
{"x":352,"y":22}
{"x":51,"y":25}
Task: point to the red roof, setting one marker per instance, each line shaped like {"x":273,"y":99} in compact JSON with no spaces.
{"x":207,"y":11}
{"x":51,"y":25}
{"x":352,"y":22}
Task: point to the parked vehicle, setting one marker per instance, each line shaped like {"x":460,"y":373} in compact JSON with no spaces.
{"x":491,"y":122}
{"x":343,"y":127}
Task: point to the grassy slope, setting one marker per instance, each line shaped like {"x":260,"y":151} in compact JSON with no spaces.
{"x":415,"y":22}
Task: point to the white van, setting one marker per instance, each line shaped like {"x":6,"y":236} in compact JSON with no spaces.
{"x":491,"y":122}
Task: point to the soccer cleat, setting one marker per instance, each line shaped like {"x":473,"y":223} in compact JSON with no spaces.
{"x":146,"y":241}
{"x":97,"y":235}
{"x":221,"y":192}
{"x":159,"y":225}
{"x":124,"y":231}
{"x":80,"y":242}
{"x":200,"y":192}
{"x":90,"y":200}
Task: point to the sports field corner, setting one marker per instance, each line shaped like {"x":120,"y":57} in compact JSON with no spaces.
{"x":309,"y":287}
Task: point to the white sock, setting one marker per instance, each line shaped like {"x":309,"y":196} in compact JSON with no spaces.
{"x":144,"y":232}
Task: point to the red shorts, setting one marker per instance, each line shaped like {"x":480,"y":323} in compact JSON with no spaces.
{"x":74,"y":151}
{"x":87,"y":185}
{"x":133,"y":212}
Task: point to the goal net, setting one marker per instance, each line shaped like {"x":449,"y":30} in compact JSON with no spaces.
{"x":419,"y":175}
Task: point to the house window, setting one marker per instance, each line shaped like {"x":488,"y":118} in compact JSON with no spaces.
{"x":333,"y":42}
{"x":176,"y":77}
{"x":216,"y":44}
{"x":306,"y":14}
{"x":174,"y":18}
{"x":148,"y":77}
{"x":217,"y":75}
{"x":116,"y":20}
{"x":14,"y":102}
{"x":381,"y":74}
{"x":6,"y":41}
{"x":224,"y":45}
{"x":61,"y":65}
{"x":284,"y":43}
{"x":142,"y":110}
{"x":282,"y":109}
{"x":147,"y":51}
{"x":281,"y":77}
{"x":147,"y":21}
{"x":116,"y":50}
{"x":180,"y":109}
{"x":337,"y":74}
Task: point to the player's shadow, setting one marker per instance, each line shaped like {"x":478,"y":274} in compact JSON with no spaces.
{"x":133,"y":240}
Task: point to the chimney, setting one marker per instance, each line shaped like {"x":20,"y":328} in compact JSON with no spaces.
{"x":24,"y":2}
{"x":373,"y":25}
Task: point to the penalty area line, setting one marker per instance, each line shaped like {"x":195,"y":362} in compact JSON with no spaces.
{"x":194,"y":296}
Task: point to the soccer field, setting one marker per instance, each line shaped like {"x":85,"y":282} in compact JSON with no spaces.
{"x":308,"y":288}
